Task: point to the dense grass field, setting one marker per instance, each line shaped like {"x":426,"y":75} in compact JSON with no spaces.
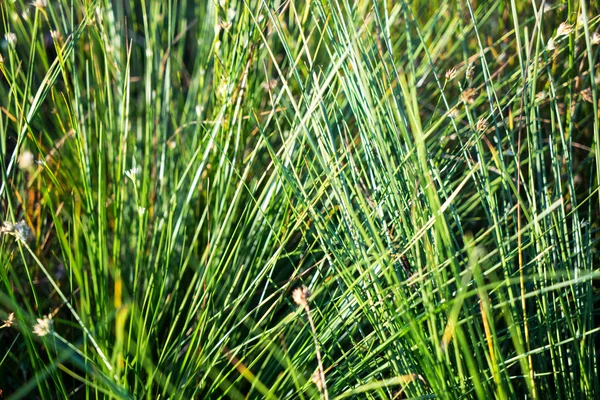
{"x":289,"y":199}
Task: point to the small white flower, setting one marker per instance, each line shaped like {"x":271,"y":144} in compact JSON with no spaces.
{"x":11,"y":38}
{"x":595,"y":38}
{"x":551,"y":45}
{"x":43,"y":326}
{"x":141,"y":211}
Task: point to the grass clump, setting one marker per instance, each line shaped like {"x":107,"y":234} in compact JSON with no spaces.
{"x":286,"y":199}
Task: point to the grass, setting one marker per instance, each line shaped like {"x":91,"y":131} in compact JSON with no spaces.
{"x":428,"y":170}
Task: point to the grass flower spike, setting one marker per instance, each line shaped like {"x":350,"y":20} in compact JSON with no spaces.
{"x":301,"y":296}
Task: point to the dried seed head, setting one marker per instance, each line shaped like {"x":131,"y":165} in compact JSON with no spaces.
{"x":43,"y":326}
{"x":451,"y":74}
{"x":269,"y":85}
{"x":301,"y":296}
{"x":9,"y":321}
{"x":470,"y":70}
{"x":469,"y":95}
{"x":541,"y":96}
{"x":587,"y":95}
{"x":453,"y":113}
{"x":564,"y":29}
{"x":595,"y":38}
{"x":551,"y":45}
{"x":482,"y":125}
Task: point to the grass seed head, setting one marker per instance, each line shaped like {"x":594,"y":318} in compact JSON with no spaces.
{"x":470,"y":70}
{"x":564,"y":29}
{"x":469,"y":95}
{"x":541,"y":96}
{"x":43,"y":326}
{"x":586,"y":95}
{"x":451,"y":74}
{"x":20,"y":230}
{"x":301,"y":296}
{"x":9,"y":321}
{"x":453,"y":113}
{"x":482,"y":125}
